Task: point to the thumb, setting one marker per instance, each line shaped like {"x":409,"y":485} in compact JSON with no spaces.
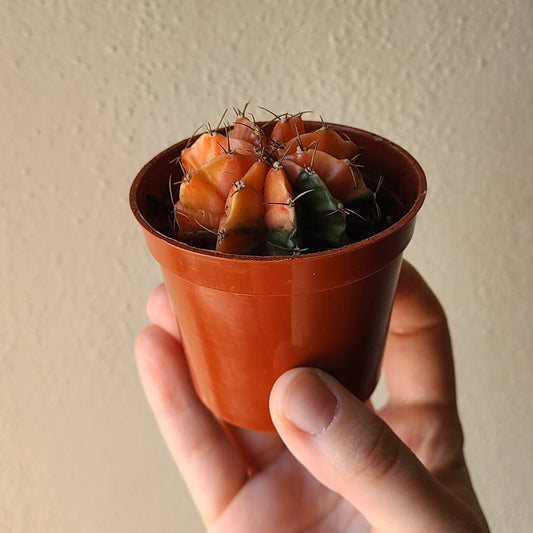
{"x":352,"y":451}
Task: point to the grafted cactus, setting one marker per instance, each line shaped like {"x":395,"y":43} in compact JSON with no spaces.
{"x":274,"y":189}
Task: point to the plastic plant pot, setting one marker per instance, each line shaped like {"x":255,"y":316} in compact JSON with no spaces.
{"x":245,"y":320}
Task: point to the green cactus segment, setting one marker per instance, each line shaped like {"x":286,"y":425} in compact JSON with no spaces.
{"x":283,"y":242}
{"x":322,"y":216}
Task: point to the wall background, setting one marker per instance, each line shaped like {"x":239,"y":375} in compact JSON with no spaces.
{"x":90,"y":91}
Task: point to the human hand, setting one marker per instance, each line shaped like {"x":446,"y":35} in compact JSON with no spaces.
{"x":336,"y":465}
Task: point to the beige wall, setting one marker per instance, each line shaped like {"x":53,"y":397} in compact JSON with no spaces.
{"x":91,"y":90}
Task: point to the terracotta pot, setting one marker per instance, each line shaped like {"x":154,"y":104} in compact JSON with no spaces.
{"x":245,"y":320}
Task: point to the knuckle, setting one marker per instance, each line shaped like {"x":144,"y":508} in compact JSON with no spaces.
{"x":379,"y":454}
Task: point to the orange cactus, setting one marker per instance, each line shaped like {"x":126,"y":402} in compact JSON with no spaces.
{"x":219,"y":173}
{"x":247,"y":130}
{"x":286,"y":128}
{"x":205,"y":148}
{"x":204,"y":191}
{"x":195,"y":224}
{"x":242,"y":226}
{"x":210,"y":145}
{"x":325,"y":139}
{"x":276,"y":194}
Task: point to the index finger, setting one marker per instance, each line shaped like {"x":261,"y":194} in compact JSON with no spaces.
{"x":160,"y":311}
{"x":418,"y":359}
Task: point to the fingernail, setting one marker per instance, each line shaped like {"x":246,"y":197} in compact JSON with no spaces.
{"x":308,"y":402}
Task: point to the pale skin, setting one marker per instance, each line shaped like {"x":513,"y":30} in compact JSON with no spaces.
{"x":335,"y":465}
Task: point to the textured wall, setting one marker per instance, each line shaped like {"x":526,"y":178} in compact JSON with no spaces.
{"x":91,"y":90}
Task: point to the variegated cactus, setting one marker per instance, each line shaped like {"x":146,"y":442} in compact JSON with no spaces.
{"x":289,"y":191}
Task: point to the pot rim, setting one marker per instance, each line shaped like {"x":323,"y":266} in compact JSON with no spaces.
{"x":401,"y":222}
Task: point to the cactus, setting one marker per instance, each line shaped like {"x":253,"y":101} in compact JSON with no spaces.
{"x":273,"y":189}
